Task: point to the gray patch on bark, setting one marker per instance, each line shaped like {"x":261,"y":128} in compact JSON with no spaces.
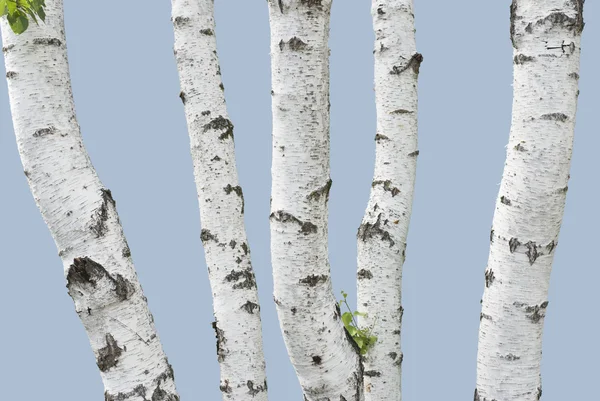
{"x":510,"y":357}
{"x":321,"y":192}
{"x":532,"y":252}
{"x":238,"y":190}
{"x":100,"y":216}
{"x":207,"y":32}
{"x":247,"y":275}
{"x":520,"y":148}
{"x":505,"y":200}
{"x":364,"y":274}
{"x":253,"y":390}
{"x":513,"y":244}
{"x":372,"y":373}
{"x":220,"y":124}
{"x":414,"y":63}
{"x":11,"y":75}
{"x":161,"y":395}
{"x":180,"y":21}
{"x":489,"y":277}
{"x":284,"y":217}
{"x":6,"y":49}
{"x":44,"y":131}
{"x":555,"y":116}
{"x":370,"y":230}
{"x":387,"y":187}
{"x":312,"y":3}
{"x":47,"y":41}
{"x":108,"y":356}
{"x":250,"y":307}
{"x":313,"y":280}
{"x":205,"y":235}
{"x":522,"y":59}
{"x":225,"y":387}
{"x":294,"y":44}
{"x":84,"y":272}
{"x":572,"y":24}
{"x":221,"y":341}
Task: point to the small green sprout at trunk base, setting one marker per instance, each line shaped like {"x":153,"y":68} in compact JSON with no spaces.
{"x":362,"y":336}
{"x":18,"y":12}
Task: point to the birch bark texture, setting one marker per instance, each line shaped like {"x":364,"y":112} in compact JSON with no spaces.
{"x":236,"y":307}
{"x":382,"y":234}
{"x":546,"y":36}
{"x":81,"y":215}
{"x":325,"y":360}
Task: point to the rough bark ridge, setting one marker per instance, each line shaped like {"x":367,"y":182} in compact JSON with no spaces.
{"x":81,"y":215}
{"x":546,"y":36}
{"x":325,"y":360}
{"x":235,"y":297}
{"x":382,"y":235}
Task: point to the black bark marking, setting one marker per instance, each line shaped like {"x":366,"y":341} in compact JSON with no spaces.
{"x":520,"y":148}
{"x":247,"y":275}
{"x":253,"y":390}
{"x":492,"y":235}
{"x":221,"y":341}
{"x":414,"y":154}
{"x":505,"y":200}
{"x":313,"y":280}
{"x":294,"y":44}
{"x":280,"y":5}
{"x":364,"y":274}
{"x":316,"y":360}
{"x":220,"y":124}
{"x":180,"y":21}
{"x":100,"y":216}
{"x":372,"y":373}
{"x":205,"y":236}
{"x":126,"y":252}
{"x":108,"y":356}
{"x":338,"y":312}
{"x":284,"y":217}
{"x":11,"y":75}
{"x":555,"y":116}
{"x":250,"y":307}
{"x":510,"y":357}
{"x":321,"y":192}
{"x":539,"y":389}
{"x":484,"y":316}
{"x":6,"y":49}
{"x":574,"y":75}
{"x":232,"y":244}
{"x":222,"y":87}
{"x":225,"y":387}
{"x":238,"y":190}
{"x":513,"y":39}
{"x":205,"y":113}
{"x":161,"y":395}
{"x":370,"y":230}
{"x":550,"y":247}
{"x":47,"y":41}
{"x":313,"y":3}
{"x":379,"y":137}
{"x":84,"y":272}
{"x":182,"y":97}
{"x":245,"y":248}
{"x":532,"y":252}
{"x":393,"y":355}
{"x":207,"y":32}
{"x":522,"y":59}
{"x":387,"y":187}
{"x":401,"y":111}
{"x":414,"y":63}
{"x":44,"y":131}
{"x":535,"y":313}
{"x":489,"y":277}
{"x":294,"y":310}
{"x":513,"y":244}
{"x":572,"y":24}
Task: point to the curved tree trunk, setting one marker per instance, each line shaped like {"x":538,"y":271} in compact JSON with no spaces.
{"x":325,"y":360}
{"x":81,"y":215}
{"x":236,"y":307}
{"x":382,"y":234}
{"x":546,"y":36}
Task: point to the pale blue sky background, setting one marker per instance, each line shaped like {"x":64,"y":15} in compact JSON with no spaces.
{"x":126,"y":89}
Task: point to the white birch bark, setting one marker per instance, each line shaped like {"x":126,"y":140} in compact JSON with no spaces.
{"x":81,"y":215}
{"x":325,"y":361}
{"x":546,"y":36}
{"x":382,"y":235}
{"x":236,"y":306}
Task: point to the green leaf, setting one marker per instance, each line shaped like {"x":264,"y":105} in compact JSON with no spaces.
{"x":352,"y":330}
{"x":344,"y":294}
{"x":357,"y":313}
{"x":12,"y":6}
{"x":18,"y":22}
{"x":3,"y":8}
{"x":347,"y":318}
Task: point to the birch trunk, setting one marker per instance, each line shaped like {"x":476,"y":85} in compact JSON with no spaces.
{"x":326,"y":362}
{"x":546,"y":36}
{"x":382,"y":235}
{"x":81,"y":215}
{"x":236,"y":306}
